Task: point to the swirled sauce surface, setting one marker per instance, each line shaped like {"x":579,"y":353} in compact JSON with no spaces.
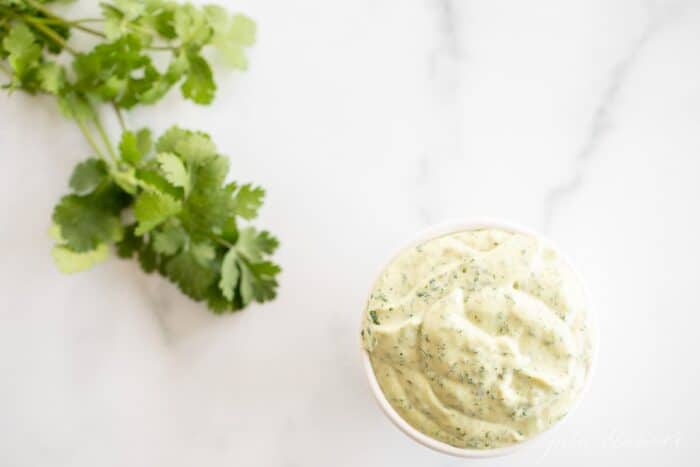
{"x":479,"y":338}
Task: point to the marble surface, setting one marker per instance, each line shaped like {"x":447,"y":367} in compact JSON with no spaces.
{"x":368,"y":120}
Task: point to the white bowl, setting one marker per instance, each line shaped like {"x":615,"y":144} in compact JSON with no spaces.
{"x":437,"y":231}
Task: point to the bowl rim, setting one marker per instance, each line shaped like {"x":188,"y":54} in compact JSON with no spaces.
{"x":446,"y":228}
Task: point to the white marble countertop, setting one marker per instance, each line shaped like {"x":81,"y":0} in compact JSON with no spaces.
{"x":367,"y":120}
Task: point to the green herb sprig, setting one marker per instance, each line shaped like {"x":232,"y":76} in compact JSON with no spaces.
{"x":165,"y":202}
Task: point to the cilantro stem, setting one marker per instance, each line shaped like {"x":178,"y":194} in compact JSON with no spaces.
{"x":90,"y":139}
{"x":105,"y":138}
{"x":222,"y":241}
{"x":39,"y":7}
{"x":51,"y":34}
{"x":140,"y":28}
{"x":88,"y":30}
{"x":71,"y":23}
{"x":87,"y":20}
{"x":167,"y":48}
{"x":120,"y":116}
{"x":79,"y":26}
{"x":53,"y":18}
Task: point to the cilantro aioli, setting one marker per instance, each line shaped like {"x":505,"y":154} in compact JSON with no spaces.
{"x":479,"y":338}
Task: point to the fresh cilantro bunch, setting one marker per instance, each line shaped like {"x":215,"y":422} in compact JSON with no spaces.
{"x":166,"y":203}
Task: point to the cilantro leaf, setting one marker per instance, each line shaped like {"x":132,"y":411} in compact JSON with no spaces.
{"x":258,"y":281}
{"x":199,"y":86}
{"x":117,"y":71}
{"x":24,"y":52}
{"x":192,"y":146}
{"x":151,"y":179}
{"x":152,"y":208}
{"x":244,"y":269}
{"x":86,"y":221}
{"x":219,"y":304}
{"x":88,"y":175}
{"x":218,"y":18}
{"x":231,"y":35}
{"x":133,"y":147}
{"x":168,"y":140}
{"x":169,"y":240}
{"x":191,"y":26}
{"x":204,"y":253}
{"x":232,"y":46}
{"x":245,"y":287}
{"x":174,"y":170}
{"x":114,"y":25}
{"x":129,"y":149}
{"x":119,"y":15}
{"x":144,"y":141}
{"x":243,"y":30}
{"x":129,"y":243}
{"x":254,"y":245}
{"x":196,"y":148}
{"x":229,"y":274}
{"x":189,"y":275}
{"x":69,"y":261}
{"x":247,"y":201}
{"x":208,"y":205}
{"x":149,"y":259}
{"x":126,"y":179}
{"x":162,"y":20}
{"x":51,"y":78}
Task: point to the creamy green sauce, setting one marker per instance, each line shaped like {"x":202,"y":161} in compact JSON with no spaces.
{"x":479,"y":338}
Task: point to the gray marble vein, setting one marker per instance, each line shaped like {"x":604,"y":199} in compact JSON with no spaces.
{"x":445,"y":59}
{"x":449,"y":27}
{"x":600,"y":119}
